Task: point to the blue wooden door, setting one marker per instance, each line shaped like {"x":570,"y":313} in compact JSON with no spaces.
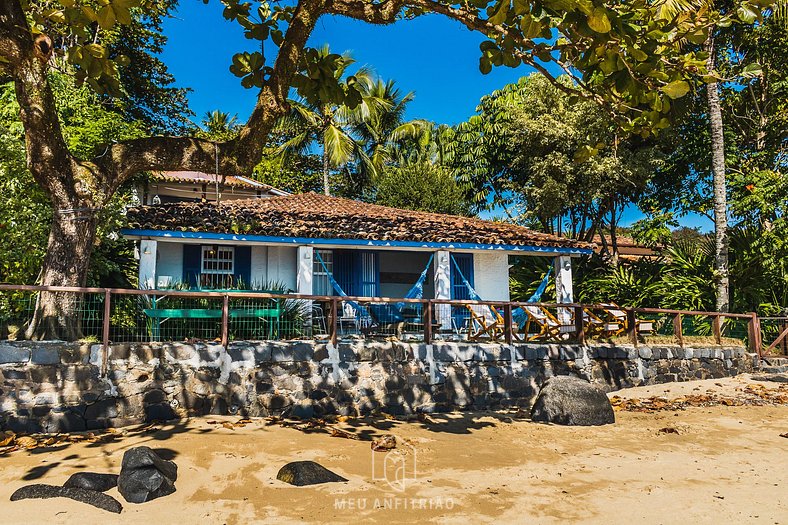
{"x":357,"y":272}
{"x":458,"y":289}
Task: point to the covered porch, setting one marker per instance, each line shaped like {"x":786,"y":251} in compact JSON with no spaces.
{"x":314,"y":245}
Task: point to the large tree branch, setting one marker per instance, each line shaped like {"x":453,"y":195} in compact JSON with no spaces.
{"x":240,"y":155}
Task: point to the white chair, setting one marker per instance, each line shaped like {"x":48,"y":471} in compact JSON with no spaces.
{"x":348,"y":317}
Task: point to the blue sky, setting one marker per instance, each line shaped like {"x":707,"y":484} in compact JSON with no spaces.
{"x":431,"y":56}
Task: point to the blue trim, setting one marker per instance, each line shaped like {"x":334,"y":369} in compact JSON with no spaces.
{"x":234,"y":237}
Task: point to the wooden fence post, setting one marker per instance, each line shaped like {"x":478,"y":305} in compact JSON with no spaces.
{"x":427,"y":315}
{"x":332,"y":318}
{"x":105,"y":333}
{"x":508,"y":328}
{"x":678,"y":330}
{"x":716,"y":327}
{"x":632,"y":329}
{"x":784,"y":342}
{"x":225,"y":320}
{"x":752,"y":325}
{"x":580,"y":332}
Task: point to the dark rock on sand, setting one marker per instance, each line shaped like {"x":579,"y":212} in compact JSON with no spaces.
{"x":568,"y":400}
{"x":92,"y":481}
{"x":145,"y":476}
{"x":91,"y":497}
{"x":300,"y":473}
{"x":776,"y":378}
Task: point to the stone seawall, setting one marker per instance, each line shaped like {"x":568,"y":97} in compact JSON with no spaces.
{"x":55,"y":386}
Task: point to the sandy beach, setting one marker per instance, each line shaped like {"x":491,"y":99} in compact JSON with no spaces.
{"x":681,"y":464}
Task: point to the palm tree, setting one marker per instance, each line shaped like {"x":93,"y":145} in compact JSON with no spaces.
{"x":385,"y":129}
{"x":328,"y":124}
{"x":219,"y":125}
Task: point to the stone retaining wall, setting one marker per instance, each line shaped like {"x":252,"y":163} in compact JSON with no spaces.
{"x":58,"y":386}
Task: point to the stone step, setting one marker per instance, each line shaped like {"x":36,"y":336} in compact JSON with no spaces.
{"x":774,"y":364}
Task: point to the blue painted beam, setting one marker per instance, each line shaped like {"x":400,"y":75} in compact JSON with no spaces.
{"x":300,"y":241}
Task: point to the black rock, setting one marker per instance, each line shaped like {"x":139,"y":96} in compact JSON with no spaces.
{"x":91,"y":497}
{"x":568,"y":400}
{"x":777,"y":378}
{"x":145,"y":476}
{"x":92,"y":481}
{"x":300,"y":473}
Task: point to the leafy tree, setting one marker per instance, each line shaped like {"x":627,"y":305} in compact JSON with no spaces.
{"x":534,"y":150}
{"x":220,"y":126}
{"x":423,"y":187}
{"x":384,"y":128}
{"x":751,"y":64}
{"x":24,"y":209}
{"x":626,"y":56}
{"x":328,"y":124}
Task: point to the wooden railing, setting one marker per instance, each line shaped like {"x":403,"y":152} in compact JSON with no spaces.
{"x":575,"y":319}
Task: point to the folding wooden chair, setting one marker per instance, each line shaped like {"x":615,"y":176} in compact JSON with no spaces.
{"x":618,"y":316}
{"x":541,"y":324}
{"x":484,"y":321}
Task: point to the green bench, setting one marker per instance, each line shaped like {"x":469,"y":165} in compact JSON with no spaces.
{"x":271,"y":314}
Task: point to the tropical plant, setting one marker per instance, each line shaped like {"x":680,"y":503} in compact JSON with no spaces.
{"x":385,"y":128}
{"x":329,"y":125}
{"x":220,"y":126}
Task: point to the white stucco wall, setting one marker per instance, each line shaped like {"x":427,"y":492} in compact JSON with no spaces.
{"x":169,"y":266}
{"x":491,"y":275}
{"x":282,"y":265}
{"x":259,"y":270}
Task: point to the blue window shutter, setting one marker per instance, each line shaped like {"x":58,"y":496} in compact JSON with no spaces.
{"x":192,"y":260}
{"x":458,"y":288}
{"x":243,"y":266}
{"x":344,"y":274}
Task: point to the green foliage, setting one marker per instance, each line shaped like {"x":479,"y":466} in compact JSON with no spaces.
{"x":627,"y":284}
{"x":25,"y":212}
{"x":525,"y":276}
{"x":219,"y":126}
{"x":423,"y":187}
{"x":687,"y":279}
{"x":533,"y":149}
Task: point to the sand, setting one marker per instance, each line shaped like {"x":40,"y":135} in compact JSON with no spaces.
{"x":722,"y":464}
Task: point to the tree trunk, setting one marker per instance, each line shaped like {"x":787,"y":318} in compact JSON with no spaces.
{"x":720,"y":188}
{"x":71,"y":238}
{"x":326,"y":166}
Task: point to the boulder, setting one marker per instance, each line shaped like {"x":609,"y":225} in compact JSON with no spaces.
{"x":145,"y":476}
{"x":91,"y":497}
{"x":300,"y":473}
{"x":568,"y":400}
{"x":92,"y":481}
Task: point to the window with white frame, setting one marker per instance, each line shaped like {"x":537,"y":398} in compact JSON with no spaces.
{"x":217,"y":266}
{"x":321,"y":285}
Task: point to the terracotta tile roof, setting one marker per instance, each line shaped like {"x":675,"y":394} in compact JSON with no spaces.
{"x":310,"y":215}
{"x":198,"y":177}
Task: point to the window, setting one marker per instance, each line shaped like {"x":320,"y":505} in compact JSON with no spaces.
{"x":321,"y":285}
{"x":217,"y":266}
